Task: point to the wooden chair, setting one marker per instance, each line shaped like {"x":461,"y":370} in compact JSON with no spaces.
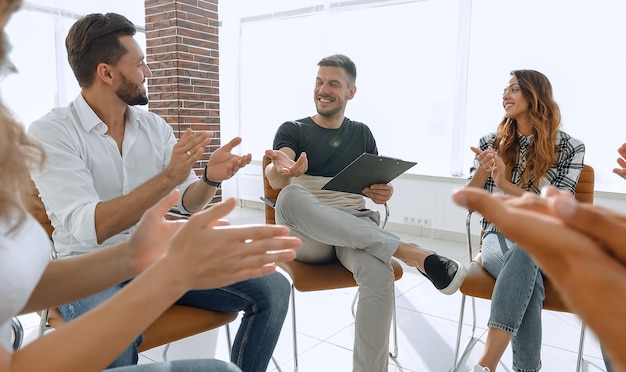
{"x":479,"y":283}
{"x":175,"y":323}
{"x":309,"y":277}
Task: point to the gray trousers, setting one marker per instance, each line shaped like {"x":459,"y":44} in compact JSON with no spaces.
{"x":354,"y":237}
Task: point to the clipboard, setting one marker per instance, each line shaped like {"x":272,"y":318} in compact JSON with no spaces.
{"x":367,"y":170}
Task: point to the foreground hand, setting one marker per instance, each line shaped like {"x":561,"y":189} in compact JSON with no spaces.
{"x":579,"y":246}
{"x":153,"y":233}
{"x":286,"y":166}
{"x":223,"y":164}
{"x":208,"y":254}
{"x":622,"y":162}
{"x":380,"y":193}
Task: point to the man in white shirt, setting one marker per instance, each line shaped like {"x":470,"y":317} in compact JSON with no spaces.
{"x":110,"y":161}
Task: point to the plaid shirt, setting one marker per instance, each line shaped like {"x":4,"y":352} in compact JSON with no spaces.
{"x":563,"y":174}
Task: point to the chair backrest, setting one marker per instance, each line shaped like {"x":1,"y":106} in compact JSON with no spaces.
{"x":33,"y":204}
{"x":586,"y":183}
{"x":269,"y":193}
{"x":479,"y":283}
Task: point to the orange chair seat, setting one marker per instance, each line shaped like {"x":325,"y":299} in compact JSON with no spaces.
{"x":308,"y":277}
{"x":479,"y":283}
{"x":174,"y":324}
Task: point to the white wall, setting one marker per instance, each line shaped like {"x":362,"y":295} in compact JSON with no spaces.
{"x":414,"y":196}
{"x":578,"y":44}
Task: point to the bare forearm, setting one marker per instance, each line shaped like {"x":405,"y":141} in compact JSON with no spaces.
{"x":197,"y":196}
{"x":600,"y":299}
{"x":116,"y":215}
{"x":69,"y":279}
{"x":509,"y":188}
{"x":276,"y":180}
{"x":479,"y":179}
{"x":152,"y":293}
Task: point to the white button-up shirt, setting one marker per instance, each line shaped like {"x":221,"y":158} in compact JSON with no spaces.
{"x":85,"y":167}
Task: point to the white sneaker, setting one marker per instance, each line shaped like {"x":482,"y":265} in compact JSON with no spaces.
{"x":478,"y":368}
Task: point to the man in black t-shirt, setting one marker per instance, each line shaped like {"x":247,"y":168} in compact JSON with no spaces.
{"x":334,"y":225}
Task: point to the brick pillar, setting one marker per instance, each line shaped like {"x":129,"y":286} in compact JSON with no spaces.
{"x":182,"y":51}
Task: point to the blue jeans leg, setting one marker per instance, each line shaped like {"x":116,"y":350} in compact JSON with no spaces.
{"x":264,"y":301}
{"x":517,"y":298}
{"x":78,"y":308}
{"x":189,"y":365}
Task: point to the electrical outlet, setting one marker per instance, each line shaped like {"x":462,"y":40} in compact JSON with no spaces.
{"x":425,"y":222}
{"x":419,"y":221}
{"x":409,"y":220}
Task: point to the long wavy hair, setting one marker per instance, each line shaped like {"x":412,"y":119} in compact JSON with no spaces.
{"x":545,"y":117}
{"x":18,"y":154}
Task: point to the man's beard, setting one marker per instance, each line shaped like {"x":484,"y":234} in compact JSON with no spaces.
{"x":329,"y":113}
{"x":131,"y":93}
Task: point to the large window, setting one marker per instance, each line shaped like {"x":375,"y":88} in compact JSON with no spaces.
{"x":579,"y":45}
{"x":37,"y":33}
{"x":405,"y":77}
{"x":431,"y":73}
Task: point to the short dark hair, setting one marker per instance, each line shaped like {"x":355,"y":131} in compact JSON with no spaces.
{"x":94,"y":39}
{"x":343,"y":62}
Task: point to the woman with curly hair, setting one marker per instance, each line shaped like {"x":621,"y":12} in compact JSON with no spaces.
{"x":527,"y":152}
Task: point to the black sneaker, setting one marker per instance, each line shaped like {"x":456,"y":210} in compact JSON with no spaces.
{"x":446,"y":275}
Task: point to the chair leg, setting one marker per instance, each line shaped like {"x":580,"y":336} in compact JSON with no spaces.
{"x":293,"y":321}
{"x":165,"y":350}
{"x":579,"y":362}
{"x":229,"y":341}
{"x":43,"y":323}
{"x":394,"y":320}
{"x":18,"y":332}
{"x":472,"y":340}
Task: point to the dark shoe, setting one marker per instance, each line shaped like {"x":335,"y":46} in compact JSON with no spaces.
{"x":446,"y":275}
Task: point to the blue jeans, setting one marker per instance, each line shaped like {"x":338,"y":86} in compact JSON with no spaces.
{"x":263,"y":300}
{"x":517,"y":298}
{"x":189,"y":365}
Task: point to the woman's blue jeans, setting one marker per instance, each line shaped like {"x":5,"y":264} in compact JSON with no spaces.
{"x":264,"y":301}
{"x":517,"y":298}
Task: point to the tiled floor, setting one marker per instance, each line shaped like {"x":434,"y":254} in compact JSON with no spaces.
{"x":427,"y":327}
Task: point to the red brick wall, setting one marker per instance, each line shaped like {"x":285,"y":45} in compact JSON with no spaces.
{"x":182,"y":52}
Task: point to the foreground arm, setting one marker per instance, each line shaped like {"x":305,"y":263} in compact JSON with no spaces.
{"x":283,"y":167}
{"x":222,"y":165}
{"x":203,"y":253}
{"x":579,"y":246}
{"x":90,"y":273}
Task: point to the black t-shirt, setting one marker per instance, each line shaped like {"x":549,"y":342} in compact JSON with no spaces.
{"x":328,"y":150}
